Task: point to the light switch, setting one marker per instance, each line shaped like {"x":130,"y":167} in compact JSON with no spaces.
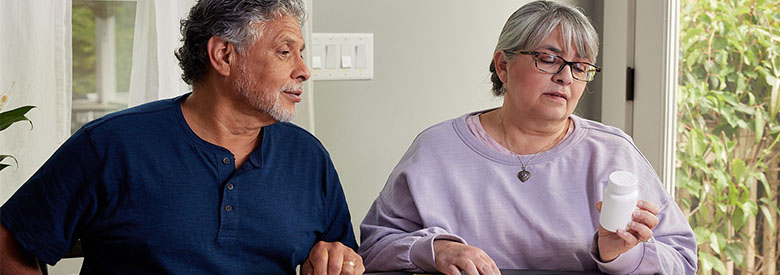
{"x":341,"y":56}
{"x":316,"y":62}
{"x":331,"y":56}
{"x":360,"y":56}
{"x":346,"y":62}
{"x":346,"y":56}
{"x":316,"y":57}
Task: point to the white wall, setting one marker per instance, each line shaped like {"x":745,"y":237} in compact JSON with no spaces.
{"x":430,"y":64}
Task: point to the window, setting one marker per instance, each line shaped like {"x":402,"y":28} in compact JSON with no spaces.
{"x":102,"y":58}
{"x":710,"y":129}
{"x":728,"y":132}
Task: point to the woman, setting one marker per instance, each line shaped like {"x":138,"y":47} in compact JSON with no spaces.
{"x":519,"y":187}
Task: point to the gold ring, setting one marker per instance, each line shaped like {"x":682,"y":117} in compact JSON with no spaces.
{"x":351,"y":263}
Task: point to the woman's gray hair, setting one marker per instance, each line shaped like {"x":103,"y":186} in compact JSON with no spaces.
{"x":533,"y":22}
{"x":239,"y":22}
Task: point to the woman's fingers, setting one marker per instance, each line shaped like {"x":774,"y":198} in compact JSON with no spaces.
{"x":643,"y":233}
{"x":463,"y":258}
{"x":629,"y":238}
{"x":647,"y":206}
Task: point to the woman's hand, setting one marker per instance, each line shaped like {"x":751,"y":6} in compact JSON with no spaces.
{"x":640,"y":229}
{"x":452,"y":257}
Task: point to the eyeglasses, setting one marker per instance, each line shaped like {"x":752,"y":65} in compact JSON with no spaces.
{"x":553,"y":64}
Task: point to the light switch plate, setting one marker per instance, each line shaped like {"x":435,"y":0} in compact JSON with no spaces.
{"x":352,"y":53}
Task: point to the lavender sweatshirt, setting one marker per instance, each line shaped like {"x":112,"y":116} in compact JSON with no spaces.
{"x":450,"y":185}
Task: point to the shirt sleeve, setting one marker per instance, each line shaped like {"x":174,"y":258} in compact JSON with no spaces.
{"x":671,"y":250}
{"x":339,"y":224}
{"x":392,"y":234}
{"x":47,"y":212}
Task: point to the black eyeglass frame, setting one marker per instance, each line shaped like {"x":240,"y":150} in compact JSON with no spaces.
{"x":565,"y":62}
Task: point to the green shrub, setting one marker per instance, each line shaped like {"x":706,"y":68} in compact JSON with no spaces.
{"x":727,"y":154}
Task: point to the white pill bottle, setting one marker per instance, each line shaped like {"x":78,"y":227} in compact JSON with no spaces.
{"x":619,"y":202}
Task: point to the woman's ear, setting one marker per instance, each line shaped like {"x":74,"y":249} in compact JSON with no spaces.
{"x":221,"y":54}
{"x":500,"y":61}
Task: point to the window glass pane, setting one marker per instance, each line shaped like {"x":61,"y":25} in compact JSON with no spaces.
{"x":728,"y":132}
{"x":102,"y":58}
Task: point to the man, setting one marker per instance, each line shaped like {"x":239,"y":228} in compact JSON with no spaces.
{"x":211,"y":182}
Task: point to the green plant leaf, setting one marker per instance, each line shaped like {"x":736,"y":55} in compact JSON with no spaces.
{"x":742,"y":108}
{"x":721,"y":180}
{"x":734,"y":251}
{"x":768,"y":217}
{"x":2,"y":157}
{"x":761,"y":176}
{"x":709,"y":262}
{"x":774,"y":103}
{"x":738,"y":169}
{"x":716,"y":242}
{"x":10,"y":117}
{"x":750,"y":207}
{"x":767,"y":202}
{"x":751,"y":97}
{"x":739,"y":218}
{"x":759,"y":124}
{"x":745,"y":198}
{"x":685,"y":203}
{"x":702,"y":234}
{"x":733,"y":196}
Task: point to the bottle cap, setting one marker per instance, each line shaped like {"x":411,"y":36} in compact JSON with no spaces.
{"x":622,"y":182}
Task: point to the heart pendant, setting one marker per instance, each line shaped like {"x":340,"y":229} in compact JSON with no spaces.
{"x":524,"y":175}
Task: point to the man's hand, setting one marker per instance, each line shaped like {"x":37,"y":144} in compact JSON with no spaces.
{"x":640,"y":229}
{"x":452,"y":257}
{"x":13,"y":258}
{"x":332,"y":258}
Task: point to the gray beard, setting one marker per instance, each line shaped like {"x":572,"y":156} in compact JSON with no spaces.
{"x":270,"y":104}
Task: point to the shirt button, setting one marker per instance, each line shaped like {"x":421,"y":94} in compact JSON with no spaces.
{"x":230,"y":186}
{"x":226,"y":160}
{"x":228,"y":208}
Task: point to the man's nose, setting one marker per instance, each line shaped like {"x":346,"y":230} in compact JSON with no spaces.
{"x":301,"y":71}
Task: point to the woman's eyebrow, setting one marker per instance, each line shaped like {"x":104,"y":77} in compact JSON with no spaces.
{"x":558,"y":51}
{"x":552,"y":49}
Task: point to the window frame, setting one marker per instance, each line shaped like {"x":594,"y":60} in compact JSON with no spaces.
{"x":651,"y":118}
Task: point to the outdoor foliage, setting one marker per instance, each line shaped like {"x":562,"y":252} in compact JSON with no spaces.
{"x":84,"y":44}
{"x":728,"y":132}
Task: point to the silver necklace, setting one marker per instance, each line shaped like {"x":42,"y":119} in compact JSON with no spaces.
{"x":524,"y":175}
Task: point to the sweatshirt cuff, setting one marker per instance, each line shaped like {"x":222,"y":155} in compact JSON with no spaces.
{"x":624,"y":263}
{"x":422,"y":251}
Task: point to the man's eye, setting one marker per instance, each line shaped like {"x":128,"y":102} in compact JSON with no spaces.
{"x":284,"y":53}
{"x":580,"y":67}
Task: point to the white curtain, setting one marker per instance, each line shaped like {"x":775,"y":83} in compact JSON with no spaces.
{"x":155,"y":73}
{"x":35,"y":69}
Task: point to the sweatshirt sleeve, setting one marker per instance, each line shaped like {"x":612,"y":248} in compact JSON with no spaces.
{"x":393,"y":236}
{"x":671,"y":250}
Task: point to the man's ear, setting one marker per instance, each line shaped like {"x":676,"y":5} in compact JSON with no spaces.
{"x":500,"y":61}
{"x":221,"y":54}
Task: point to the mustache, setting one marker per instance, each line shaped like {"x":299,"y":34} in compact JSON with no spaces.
{"x":287,"y":87}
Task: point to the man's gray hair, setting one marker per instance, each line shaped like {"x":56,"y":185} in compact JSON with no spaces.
{"x":239,"y":22}
{"x":527,"y":27}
